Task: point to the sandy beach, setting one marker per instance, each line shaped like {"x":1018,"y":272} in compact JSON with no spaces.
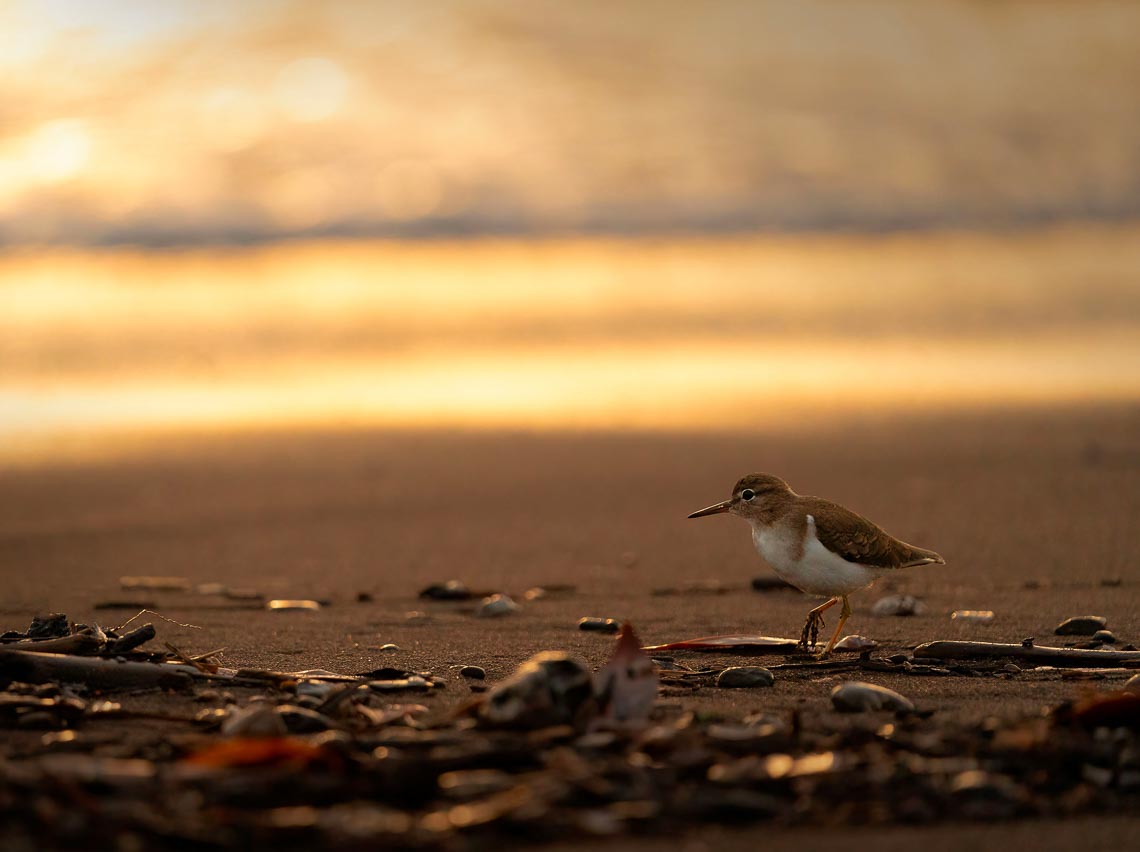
{"x":1033,"y":511}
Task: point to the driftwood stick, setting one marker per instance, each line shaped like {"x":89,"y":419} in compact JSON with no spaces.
{"x":94,"y":672}
{"x":944,"y":649}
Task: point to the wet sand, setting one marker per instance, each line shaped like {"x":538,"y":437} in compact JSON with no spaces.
{"x":1044,"y":499}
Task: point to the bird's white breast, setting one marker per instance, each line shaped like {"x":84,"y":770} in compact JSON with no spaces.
{"x":803,"y":561}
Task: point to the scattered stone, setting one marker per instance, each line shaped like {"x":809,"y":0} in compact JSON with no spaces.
{"x":551,"y":688}
{"x":497,"y":605}
{"x":694,"y":587}
{"x":534,"y":594}
{"x":51,"y":626}
{"x":855,"y":643}
{"x":745,"y":677}
{"x":857,"y":696}
{"x":389,"y":647}
{"x":452,"y":590}
{"x":364,"y":597}
{"x":901,"y":605}
{"x":973,"y":616}
{"x":156,"y":584}
{"x":1081,"y":625}
{"x":254,"y":720}
{"x":287,"y":605}
{"x":770,"y":583}
{"x":473,"y":673}
{"x":602,"y":625}
{"x":1031,"y":585}
{"x":1012,"y":668}
{"x":1106,"y":637}
{"x":1112,"y":582}
{"x":1133,"y":683}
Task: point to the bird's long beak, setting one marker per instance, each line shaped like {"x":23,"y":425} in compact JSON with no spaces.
{"x":714,"y":509}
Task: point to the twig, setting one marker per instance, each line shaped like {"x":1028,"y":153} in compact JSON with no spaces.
{"x":160,"y":615}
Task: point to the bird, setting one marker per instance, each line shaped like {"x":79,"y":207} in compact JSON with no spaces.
{"x":816,"y":545}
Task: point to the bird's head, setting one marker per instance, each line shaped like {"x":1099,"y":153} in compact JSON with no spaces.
{"x":755,"y":497}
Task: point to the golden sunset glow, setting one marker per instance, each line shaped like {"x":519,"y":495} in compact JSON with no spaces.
{"x":521,"y":214}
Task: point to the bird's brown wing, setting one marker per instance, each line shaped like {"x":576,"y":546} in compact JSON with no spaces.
{"x":858,"y":540}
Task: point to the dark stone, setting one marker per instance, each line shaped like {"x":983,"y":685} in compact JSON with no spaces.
{"x":602,"y":625}
{"x":770,"y":584}
{"x":745,"y":677}
{"x":1081,"y":625}
{"x":473,"y":672}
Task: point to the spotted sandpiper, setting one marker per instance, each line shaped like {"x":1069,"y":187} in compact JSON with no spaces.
{"x":816,"y":545}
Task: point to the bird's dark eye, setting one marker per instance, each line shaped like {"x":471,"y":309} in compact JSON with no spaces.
{"x":747,"y":494}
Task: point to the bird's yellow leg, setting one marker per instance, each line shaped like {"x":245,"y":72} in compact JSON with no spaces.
{"x":814,"y":622}
{"x":844,"y":614}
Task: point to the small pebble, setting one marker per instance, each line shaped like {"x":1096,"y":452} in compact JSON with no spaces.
{"x":537,"y":593}
{"x":855,"y":643}
{"x":497,"y":605}
{"x":473,"y":672}
{"x":1031,"y":584}
{"x":1112,"y":582}
{"x":389,"y":647}
{"x":1081,"y":625}
{"x":364,"y":597}
{"x":1012,"y":668}
{"x":744,"y":677}
{"x":898,"y":605}
{"x":1105,"y":636}
{"x":603,"y":625}
{"x":857,"y":696}
{"x":897,"y":659}
{"x":1133,"y":683}
{"x":973,"y":616}
{"x":416,"y":617}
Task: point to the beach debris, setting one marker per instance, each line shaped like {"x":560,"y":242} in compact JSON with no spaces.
{"x":539,"y":592}
{"x":388,"y":646}
{"x":745,"y":677}
{"x":1133,"y":683}
{"x":50,"y":626}
{"x":955,"y":650}
{"x":473,"y":672}
{"x":855,"y":642}
{"x":496,"y":605}
{"x":155,"y":584}
{"x":626,"y":686}
{"x":973,"y":616}
{"x":254,"y":720}
{"x":1081,"y":625}
{"x":131,"y":640}
{"x":602,"y":625}
{"x":452,"y":590}
{"x":93,"y":672}
{"x":289,"y":753}
{"x":416,"y":616}
{"x":1118,"y":709}
{"x":745,"y":643}
{"x":901,"y":605}
{"x":1105,"y":637}
{"x":284,"y":605}
{"x":771,"y":583}
{"x":856,"y":696}
{"x":551,"y":688}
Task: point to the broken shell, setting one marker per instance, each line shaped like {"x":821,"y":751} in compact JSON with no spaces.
{"x":855,"y":643}
{"x":973,"y":616}
{"x":497,"y":605}
{"x":283,"y":605}
{"x":856,"y":696}
{"x":550,"y":688}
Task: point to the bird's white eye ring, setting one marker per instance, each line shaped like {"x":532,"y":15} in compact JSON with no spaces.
{"x":747,"y":494}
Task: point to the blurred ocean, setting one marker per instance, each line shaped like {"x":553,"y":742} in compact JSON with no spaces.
{"x":587,"y":333}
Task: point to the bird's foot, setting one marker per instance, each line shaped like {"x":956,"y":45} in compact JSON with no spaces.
{"x":811,"y":629}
